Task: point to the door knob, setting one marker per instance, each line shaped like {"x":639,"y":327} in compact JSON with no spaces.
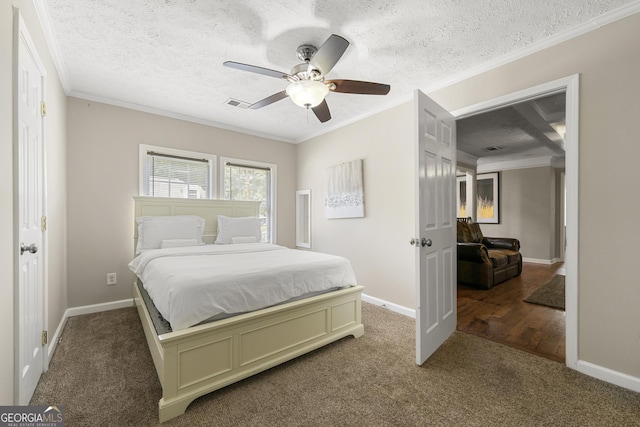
{"x":426,"y":242}
{"x":414,"y":242}
{"x":32,"y":248}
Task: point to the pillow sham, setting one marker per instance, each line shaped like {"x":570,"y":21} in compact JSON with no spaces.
{"x":178,"y":243}
{"x":246,"y":226}
{"x":152,"y":230}
{"x":243,"y":239}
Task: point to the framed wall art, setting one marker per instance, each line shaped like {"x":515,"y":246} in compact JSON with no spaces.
{"x":461,"y":197}
{"x":488,"y":198}
{"x":344,"y":193}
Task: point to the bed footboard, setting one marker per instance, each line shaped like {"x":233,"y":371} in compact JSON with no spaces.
{"x":201,"y":359}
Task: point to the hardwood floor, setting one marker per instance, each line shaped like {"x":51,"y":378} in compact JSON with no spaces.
{"x":501,"y":315}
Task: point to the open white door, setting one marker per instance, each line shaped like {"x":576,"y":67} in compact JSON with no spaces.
{"x":30,"y":220}
{"x":436,"y":276}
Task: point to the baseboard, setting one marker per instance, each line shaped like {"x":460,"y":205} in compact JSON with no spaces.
{"x":97,"y":308}
{"x":53,"y":340}
{"x":540,"y":261}
{"x":389,"y":305}
{"x":78,"y":311}
{"x":587,"y":368}
{"x":609,"y":375}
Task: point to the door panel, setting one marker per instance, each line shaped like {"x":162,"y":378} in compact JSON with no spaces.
{"x":435,"y":227}
{"x":431,"y":306}
{"x":429,"y":203}
{"x":448,"y":293}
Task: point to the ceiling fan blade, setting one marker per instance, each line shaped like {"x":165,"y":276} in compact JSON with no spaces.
{"x":359,"y":87}
{"x":329,"y":53}
{"x":256,"y":69}
{"x":269,"y":100}
{"x":322,"y":111}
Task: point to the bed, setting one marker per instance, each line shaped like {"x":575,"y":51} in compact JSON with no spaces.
{"x":197,"y":360}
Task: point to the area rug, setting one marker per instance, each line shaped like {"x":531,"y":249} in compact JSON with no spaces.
{"x":550,"y":294}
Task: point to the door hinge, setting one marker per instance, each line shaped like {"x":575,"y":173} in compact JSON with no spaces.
{"x":43,"y":109}
{"x":44,"y":338}
{"x":43,"y":223}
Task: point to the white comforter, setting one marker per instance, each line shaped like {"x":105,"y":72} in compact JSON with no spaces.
{"x":189,"y":285}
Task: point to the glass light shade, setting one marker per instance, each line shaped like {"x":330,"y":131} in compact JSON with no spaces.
{"x":307,"y":93}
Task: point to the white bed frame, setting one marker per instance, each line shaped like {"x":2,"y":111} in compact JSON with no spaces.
{"x":193,"y":362}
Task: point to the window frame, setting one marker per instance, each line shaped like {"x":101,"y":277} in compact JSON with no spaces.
{"x":273,"y":180}
{"x":211,"y":160}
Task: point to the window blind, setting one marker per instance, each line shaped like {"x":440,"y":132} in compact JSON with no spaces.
{"x":176,"y":176}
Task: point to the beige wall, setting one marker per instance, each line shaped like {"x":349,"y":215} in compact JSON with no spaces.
{"x":55,"y":145}
{"x":608,"y":62}
{"x":378,"y":244}
{"x":528,"y":211}
{"x":101,"y":158}
{"x":102,"y":162}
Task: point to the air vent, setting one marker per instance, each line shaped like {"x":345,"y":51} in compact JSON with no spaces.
{"x":237,"y":103}
{"x":494,"y":148}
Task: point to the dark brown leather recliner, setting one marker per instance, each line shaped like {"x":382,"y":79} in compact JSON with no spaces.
{"x":484,"y":262}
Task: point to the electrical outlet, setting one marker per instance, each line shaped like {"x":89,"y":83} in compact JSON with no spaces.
{"x":112,"y":279}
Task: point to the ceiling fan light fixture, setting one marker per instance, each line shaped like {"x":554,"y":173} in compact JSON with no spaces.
{"x":307,"y":93}
{"x":307,"y":85}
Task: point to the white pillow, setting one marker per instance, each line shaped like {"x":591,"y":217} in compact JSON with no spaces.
{"x":152,"y":230}
{"x":247,"y":226}
{"x":243,"y":239}
{"x":178,"y":243}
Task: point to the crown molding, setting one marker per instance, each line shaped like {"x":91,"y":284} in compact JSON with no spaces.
{"x":497,"y":164}
{"x":561,"y":37}
{"x":493,"y":164}
{"x":593,"y":24}
{"x":52,"y":42}
{"x":384,"y":107}
{"x":172,"y":115}
{"x":466,"y":158}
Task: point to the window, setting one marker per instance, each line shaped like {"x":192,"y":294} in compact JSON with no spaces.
{"x":254,"y":181}
{"x":167,"y":172}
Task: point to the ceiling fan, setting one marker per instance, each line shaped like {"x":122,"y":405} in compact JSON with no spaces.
{"x":307,"y":85}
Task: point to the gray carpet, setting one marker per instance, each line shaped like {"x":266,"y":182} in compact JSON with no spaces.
{"x":102,"y":373}
{"x":550,"y":294}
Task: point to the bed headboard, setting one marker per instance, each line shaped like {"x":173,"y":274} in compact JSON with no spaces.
{"x":209,"y":209}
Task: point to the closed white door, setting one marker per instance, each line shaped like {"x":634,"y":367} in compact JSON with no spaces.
{"x":30,"y":225}
{"x":435,"y":240}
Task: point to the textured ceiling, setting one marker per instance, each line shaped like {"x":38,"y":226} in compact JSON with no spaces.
{"x":531,"y":129}
{"x":167,"y":55}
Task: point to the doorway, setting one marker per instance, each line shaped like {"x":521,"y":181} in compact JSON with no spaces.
{"x":569,"y":86}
